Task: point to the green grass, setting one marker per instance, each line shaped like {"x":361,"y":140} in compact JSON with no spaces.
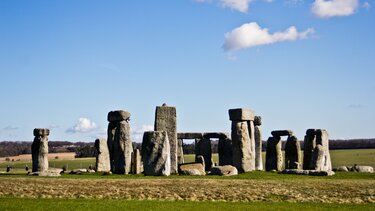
{"x":97,"y":204}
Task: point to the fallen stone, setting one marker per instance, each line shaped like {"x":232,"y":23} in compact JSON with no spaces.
{"x":241,"y":114}
{"x":366,"y":169}
{"x":308,"y":172}
{"x":226,"y":170}
{"x":118,"y":116}
{"x":278,"y":133}
{"x":342,"y":168}
{"x":48,"y":173}
{"x":78,"y":171}
{"x":191,"y":169}
{"x":156,"y":153}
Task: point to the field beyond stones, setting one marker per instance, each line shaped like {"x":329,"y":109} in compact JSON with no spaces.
{"x":252,"y":190}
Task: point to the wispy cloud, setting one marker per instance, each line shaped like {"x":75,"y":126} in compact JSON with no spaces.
{"x":251,"y":34}
{"x":356,"y":106}
{"x":83,"y":125}
{"x":332,"y":8}
{"x":10,"y":127}
{"x":54,"y":126}
{"x":237,"y":5}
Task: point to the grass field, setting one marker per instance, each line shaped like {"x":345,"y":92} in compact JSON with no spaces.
{"x":252,"y":190}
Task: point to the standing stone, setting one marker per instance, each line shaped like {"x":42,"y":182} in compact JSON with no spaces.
{"x":102,"y":156}
{"x":110,"y":140}
{"x":166,"y":120}
{"x":274,"y":156}
{"x":122,"y":148}
{"x":180,"y":152}
{"x":156,"y":153}
{"x":39,"y":149}
{"x":203,"y":148}
{"x":258,"y":143}
{"x":309,"y":146}
{"x":321,"y":157}
{"x":136,"y":162}
{"x":292,"y":153}
{"x":225,"y":152}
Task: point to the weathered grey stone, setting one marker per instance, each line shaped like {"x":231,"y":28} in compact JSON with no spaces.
{"x":243,"y":145}
{"x":226,"y":170}
{"x":342,"y":168}
{"x":203,"y":147}
{"x":241,"y":114}
{"x":78,"y":171}
{"x":308,"y":172}
{"x":136,"y":162}
{"x":308,"y":151}
{"x":166,"y":120}
{"x":215,"y":135}
{"x":189,"y":135}
{"x":274,"y":157}
{"x":191,"y":169}
{"x":200,"y":159}
{"x":258,"y":148}
{"x":257,"y":121}
{"x":366,"y":169}
{"x":110,"y":141}
{"x":321,"y":158}
{"x":156,"y":153}
{"x":39,"y":149}
{"x":278,"y":133}
{"x":311,"y":132}
{"x":118,"y":116}
{"x":225,"y":152}
{"x":102,"y":155}
{"x":180,"y":152}
{"x":122,"y":148}
{"x":292,"y":153}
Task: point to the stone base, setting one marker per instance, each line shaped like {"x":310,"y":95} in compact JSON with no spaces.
{"x":48,"y":173}
{"x":308,"y":172}
{"x":226,"y":170}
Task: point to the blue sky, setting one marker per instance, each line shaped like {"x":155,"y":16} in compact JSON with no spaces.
{"x":65,"y":64}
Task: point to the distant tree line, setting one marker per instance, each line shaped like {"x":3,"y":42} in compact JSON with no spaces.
{"x":87,"y":149}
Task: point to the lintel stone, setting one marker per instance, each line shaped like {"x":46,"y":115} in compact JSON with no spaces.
{"x":117,"y":116}
{"x":278,"y":133}
{"x":241,"y":114}
{"x":189,"y":135}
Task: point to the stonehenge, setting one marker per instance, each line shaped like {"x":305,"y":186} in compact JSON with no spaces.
{"x":243,"y":141}
{"x":102,"y":156}
{"x":39,"y":150}
{"x":292,"y":153}
{"x":316,"y":150}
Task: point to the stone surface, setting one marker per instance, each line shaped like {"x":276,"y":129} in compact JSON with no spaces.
{"x":278,"y":133}
{"x":308,"y":172}
{"x":203,"y":148}
{"x":78,"y":171}
{"x":258,"y":148}
{"x":225,"y":152}
{"x":257,"y":120}
{"x":292,"y":153}
{"x":191,"y":169}
{"x":48,"y":173}
{"x":110,"y":141}
{"x":308,"y":151}
{"x":102,"y":155}
{"x":118,"y":116}
{"x":215,"y":135}
{"x":241,"y":114}
{"x":39,"y":150}
{"x":122,"y":148}
{"x":180,"y":152}
{"x":166,"y":120}
{"x":200,"y":159}
{"x":274,"y":156}
{"x":321,"y":157}
{"x":136,"y":162}
{"x":366,"y":169}
{"x":189,"y":135}
{"x":156,"y":153}
{"x":342,"y":168}
{"x":243,"y":146}
{"x":226,"y":170}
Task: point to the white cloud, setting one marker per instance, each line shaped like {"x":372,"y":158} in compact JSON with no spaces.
{"x":332,"y":8}
{"x":240,"y":5}
{"x":366,"y":5}
{"x":82,"y":126}
{"x":137,"y":133}
{"x":251,"y":34}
